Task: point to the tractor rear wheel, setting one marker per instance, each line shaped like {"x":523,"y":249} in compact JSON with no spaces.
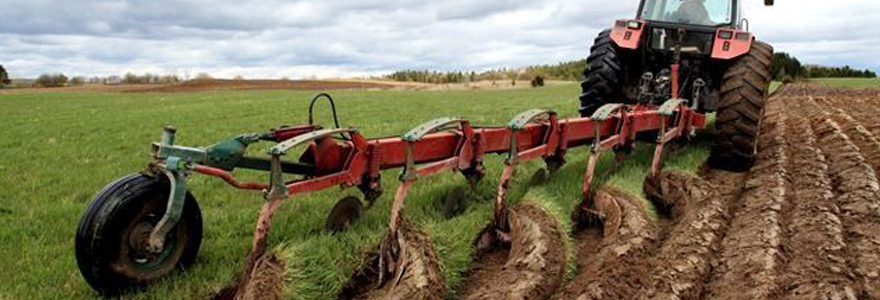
{"x":743,"y":91}
{"x":603,"y":77}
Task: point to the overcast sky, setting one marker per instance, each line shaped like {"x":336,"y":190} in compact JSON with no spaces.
{"x":344,"y":38}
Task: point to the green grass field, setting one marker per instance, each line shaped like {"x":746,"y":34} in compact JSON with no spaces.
{"x":61,"y":148}
{"x":849,"y":82}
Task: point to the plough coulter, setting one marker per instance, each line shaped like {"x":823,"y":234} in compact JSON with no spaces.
{"x":144,"y":225}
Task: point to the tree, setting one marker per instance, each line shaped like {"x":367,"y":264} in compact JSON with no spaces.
{"x":538,"y":81}
{"x":204,"y":76}
{"x":51,"y":80}
{"x":784,"y":65}
{"x":77,"y":81}
{"x":4,"y":77}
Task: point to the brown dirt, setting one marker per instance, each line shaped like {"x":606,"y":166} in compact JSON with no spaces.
{"x":533,"y":267}
{"x":804,"y":223}
{"x":421,"y":278}
{"x":749,"y":262}
{"x":817,"y":266}
{"x":226,"y":84}
{"x":613,"y":268}
{"x":683,"y":260}
{"x":219,"y":85}
{"x":857,"y":193}
{"x":266,"y":282}
{"x":89,"y":88}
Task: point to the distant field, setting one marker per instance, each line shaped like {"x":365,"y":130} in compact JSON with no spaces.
{"x":849,"y":82}
{"x":61,"y":148}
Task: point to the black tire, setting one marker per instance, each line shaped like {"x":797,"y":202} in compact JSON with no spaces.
{"x":603,"y":77}
{"x":123,"y":211}
{"x":743,"y":91}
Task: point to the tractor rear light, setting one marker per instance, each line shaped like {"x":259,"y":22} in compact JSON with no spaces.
{"x":634,"y":24}
{"x":725,"y":35}
{"x":726,"y":46}
{"x":620,"y":23}
{"x":743,"y":36}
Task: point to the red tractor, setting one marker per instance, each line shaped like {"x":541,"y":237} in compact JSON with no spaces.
{"x":694,"y":49}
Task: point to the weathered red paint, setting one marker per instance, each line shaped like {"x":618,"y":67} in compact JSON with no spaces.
{"x":445,"y":149}
{"x":739,"y":43}
{"x":625,"y":37}
{"x":229,"y":178}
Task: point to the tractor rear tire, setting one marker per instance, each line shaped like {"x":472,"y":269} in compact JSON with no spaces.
{"x":603,"y":77}
{"x":743,"y":91}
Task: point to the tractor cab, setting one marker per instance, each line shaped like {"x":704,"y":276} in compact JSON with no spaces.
{"x":703,"y":28}
{"x":692,"y":13}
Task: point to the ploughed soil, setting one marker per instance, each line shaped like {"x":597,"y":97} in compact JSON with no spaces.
{"x":266,"y":282}
{"x":804,"y":223}
{"x":220,"y":85}
{"x":531,"y":268}
{"x":419,"y":277}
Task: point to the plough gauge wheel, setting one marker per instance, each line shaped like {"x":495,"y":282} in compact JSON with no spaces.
{"x":111,"y":242}
{"x":346,"y":211}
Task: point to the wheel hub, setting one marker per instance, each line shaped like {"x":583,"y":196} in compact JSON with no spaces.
{"x":139,"y":243}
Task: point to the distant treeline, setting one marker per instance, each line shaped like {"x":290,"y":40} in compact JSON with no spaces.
{"x":562,"y":71}
{"x":61,"y":80}
{"x":785,"y":67}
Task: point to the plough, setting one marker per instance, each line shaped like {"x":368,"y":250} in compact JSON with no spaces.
{"x":152,"y":243}
{"x":141,"y":227}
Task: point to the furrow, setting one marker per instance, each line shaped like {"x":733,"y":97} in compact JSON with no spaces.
{"x":856,"y":191}
{"x":861,"y":137}
{"x":816,"y":267}
{"x":750,"y":260}
{"x":534,"y":265}
{"x":616,"y":269}
{"x":684,"y":259}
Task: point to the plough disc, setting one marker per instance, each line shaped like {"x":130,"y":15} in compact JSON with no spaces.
{"x":346,"y":211}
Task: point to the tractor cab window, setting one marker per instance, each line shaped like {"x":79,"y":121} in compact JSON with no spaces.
{"x":694,"y":12}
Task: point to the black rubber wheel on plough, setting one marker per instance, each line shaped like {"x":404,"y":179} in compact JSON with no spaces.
{"x":113,"y":232}
{"x":346,"y":211}
{"x":743,"y":92}
{"x":603,"y":77}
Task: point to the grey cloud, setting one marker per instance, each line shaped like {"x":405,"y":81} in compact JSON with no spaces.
{"x":273,"y":38}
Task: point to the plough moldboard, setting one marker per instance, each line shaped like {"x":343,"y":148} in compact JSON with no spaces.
{"x":143,"y":226}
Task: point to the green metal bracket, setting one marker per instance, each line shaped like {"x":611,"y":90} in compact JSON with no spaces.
{"x":520,"y":121}
{"x":420,"y":131}
{"x":167,"y":149}
{"x":277,"y":188}
{"x":409,"y":170}
{"x":227,"y":154}
{"x":668,"y":108}
{"x":604,"y":112}
{"x":176,"y":199}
